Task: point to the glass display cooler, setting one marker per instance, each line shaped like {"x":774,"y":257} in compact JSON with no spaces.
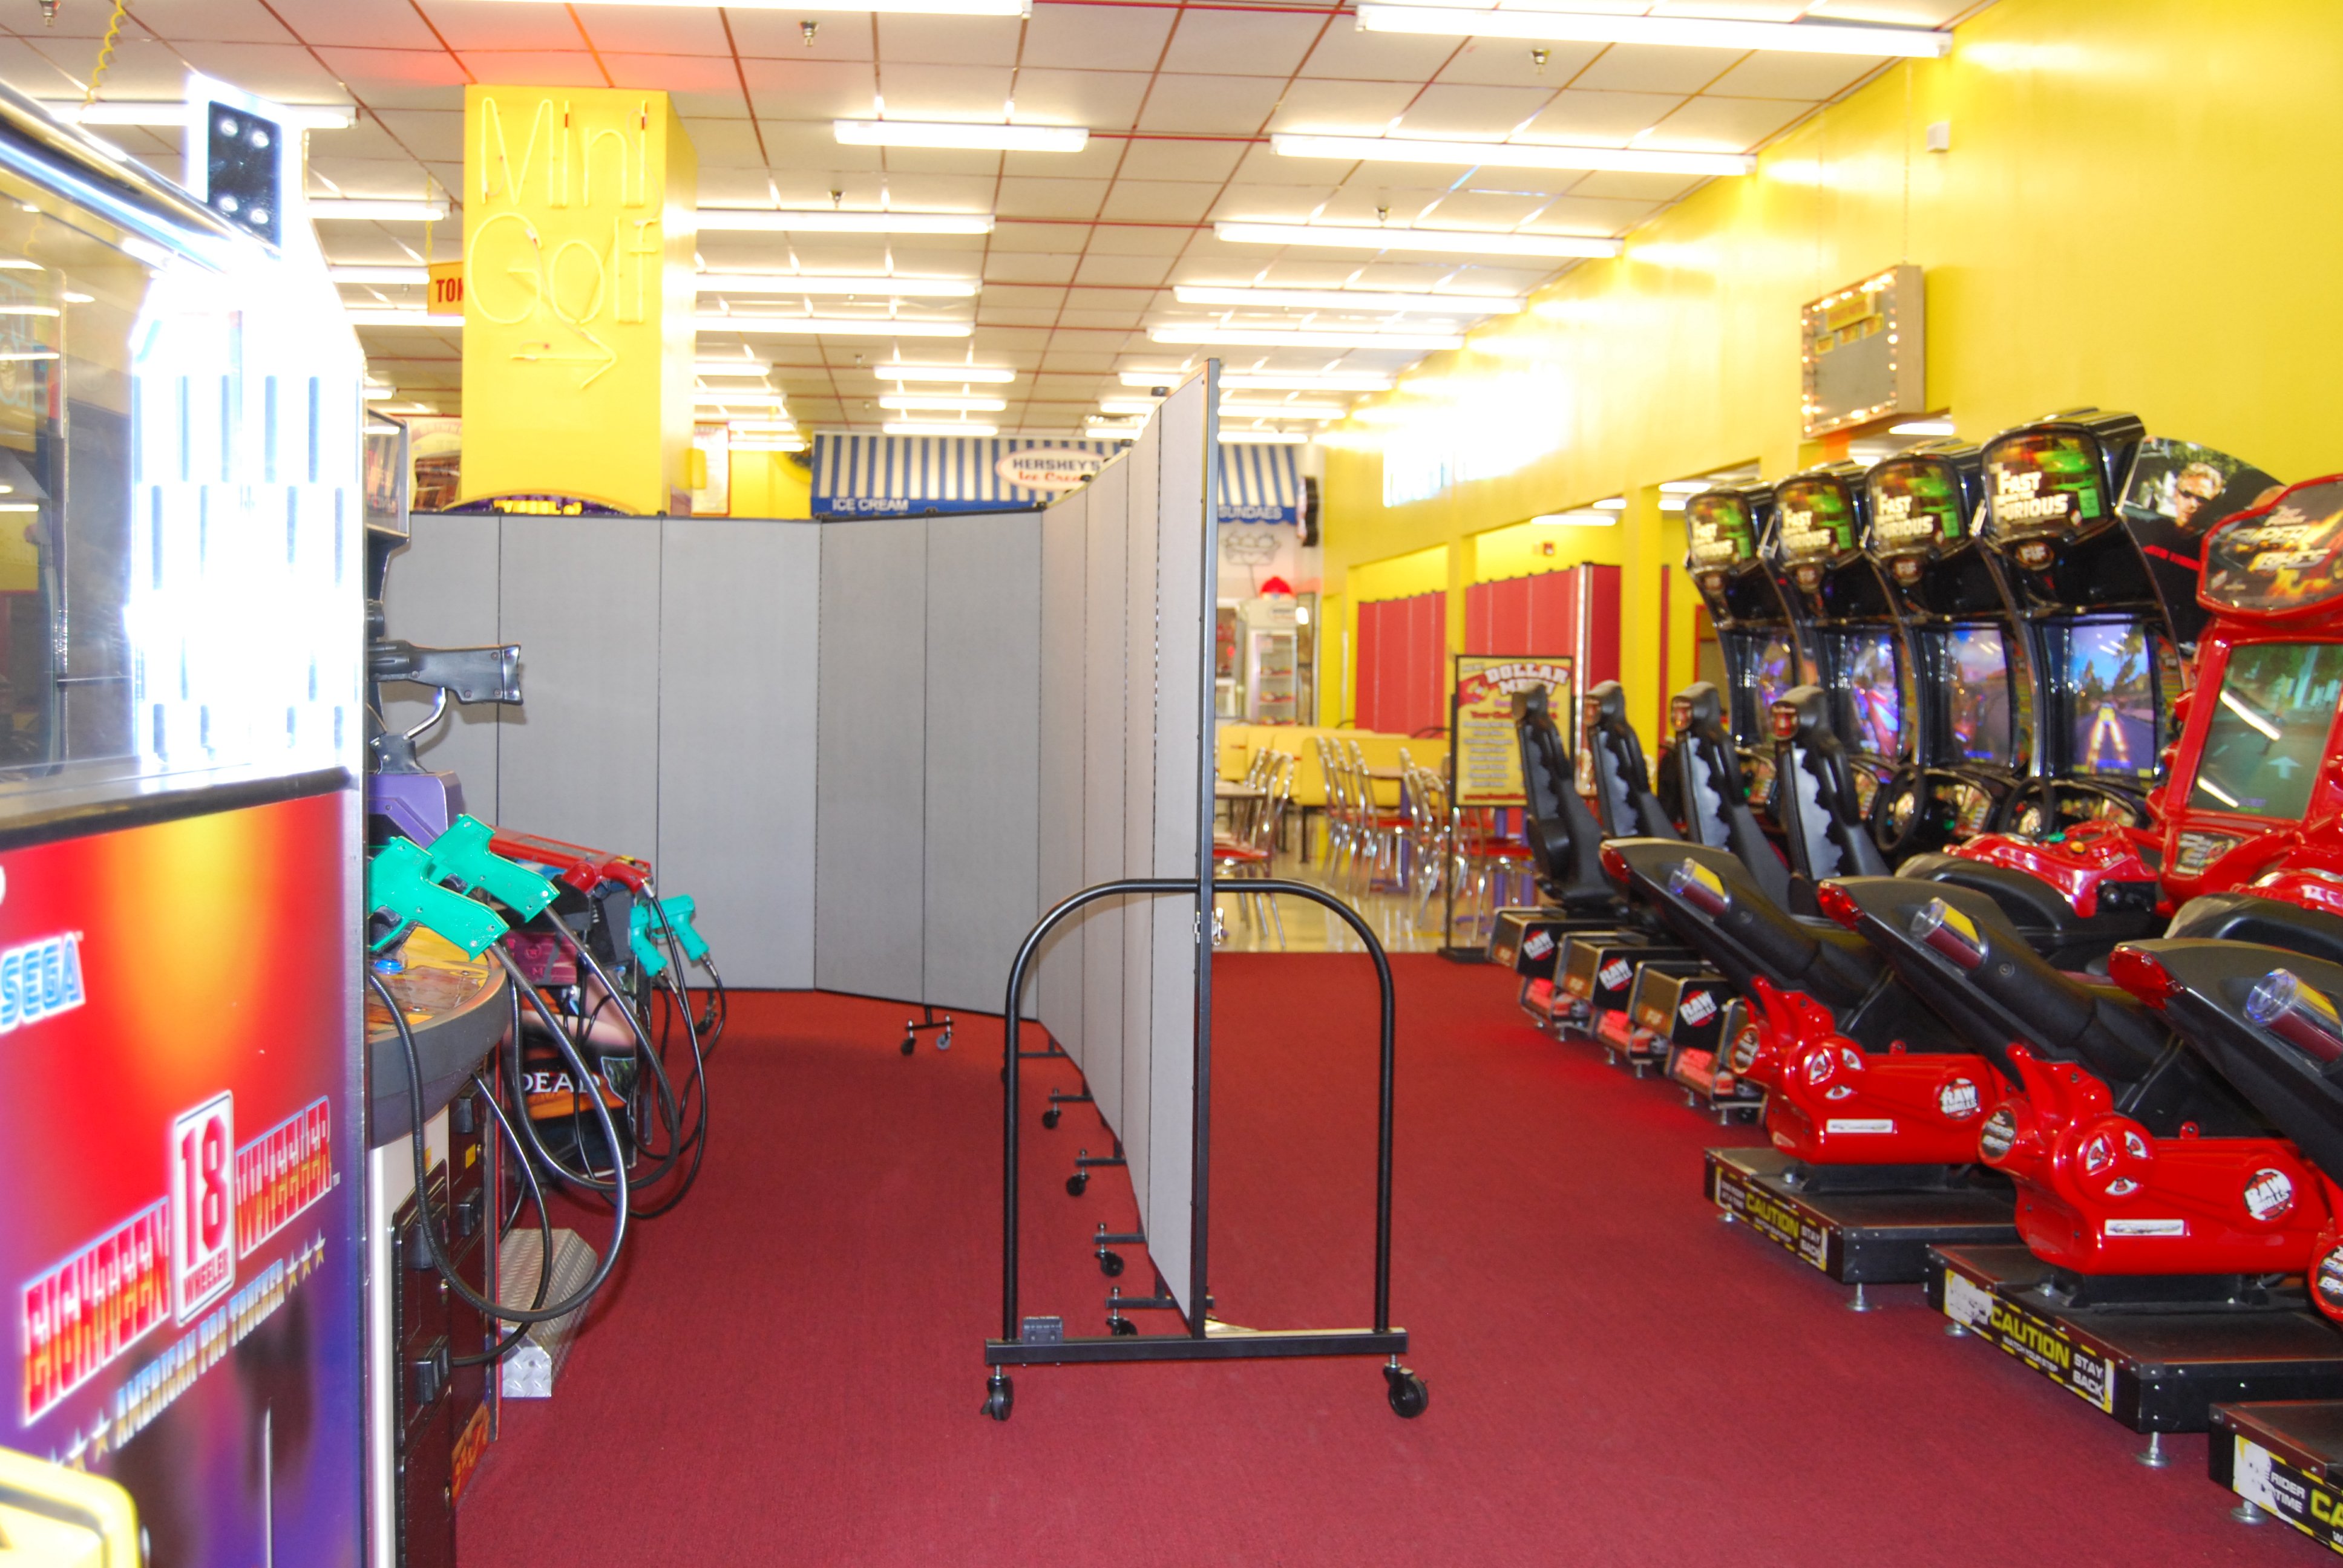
{"x":181,"y":727}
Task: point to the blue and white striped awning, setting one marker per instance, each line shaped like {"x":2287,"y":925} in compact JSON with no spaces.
{"x":910,"y":476}
{"x":1259,"y":484}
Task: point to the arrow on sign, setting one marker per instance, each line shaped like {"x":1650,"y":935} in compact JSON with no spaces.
{"x":602,"y":357}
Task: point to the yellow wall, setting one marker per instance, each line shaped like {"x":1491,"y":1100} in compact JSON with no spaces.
{"x":769,"y":485}
{"x":2134,"y":213}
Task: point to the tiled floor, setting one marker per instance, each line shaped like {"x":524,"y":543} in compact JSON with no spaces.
{"x":1310,"y":928}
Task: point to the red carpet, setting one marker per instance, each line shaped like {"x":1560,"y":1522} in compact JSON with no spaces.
{"x":791,"y":1369}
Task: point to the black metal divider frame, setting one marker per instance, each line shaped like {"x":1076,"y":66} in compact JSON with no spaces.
{"x":1205,"y":1341}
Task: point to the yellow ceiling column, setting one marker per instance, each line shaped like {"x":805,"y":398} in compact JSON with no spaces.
{"x":578,"y":228}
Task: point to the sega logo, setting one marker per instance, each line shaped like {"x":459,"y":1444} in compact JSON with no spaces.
{"x":40,"y":980}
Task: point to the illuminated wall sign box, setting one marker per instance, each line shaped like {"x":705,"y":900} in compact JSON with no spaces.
{"x":1861,"y":352}
{"x":578,"y":295}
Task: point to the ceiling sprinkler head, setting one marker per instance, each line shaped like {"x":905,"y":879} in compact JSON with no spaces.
{"x":1383,"y":212}
{"x":48,"y":13}
{"x":806,"y":30}
{"x":836,"y":199}
{"x":1537,"y":57}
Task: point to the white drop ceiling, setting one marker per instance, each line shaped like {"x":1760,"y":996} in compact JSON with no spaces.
{"x":1181,"y":99}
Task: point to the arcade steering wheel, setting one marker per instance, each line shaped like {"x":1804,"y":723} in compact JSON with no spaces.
{"x":1902,"y":813}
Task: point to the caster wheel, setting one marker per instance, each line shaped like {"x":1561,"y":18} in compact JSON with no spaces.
{"x":1110,"y":1264}
{"x":910,"y":1042}
{"x":943,"y":1040}
{"x":1408,"y":1395}
{"x":1000,"y":1397}
{"x":1121,"y":1328}
{"x":1078,"y":1183}
{"x":1050,"y":1117}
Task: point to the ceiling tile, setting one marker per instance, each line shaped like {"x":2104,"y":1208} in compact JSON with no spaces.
{"x":1479,"y":209}
{"x":946,"y":40}
{"x":1083,"y":358}
{"x":318,"y":22}
{"x":1097,"y":160}
{"x":1023,"y":266}
{"x":655,"y":30}
{"x":1356,"y":203}
{"x":1161,"y":241}
{"x":1634,"y":187}
{"x":1021,"y":297}
{"x":940,"y":192}
{"x":1248,"y":42}
{"x":33,"y":74}
{"x":1656,"y":68}
{"x":1272,"y":204}
{"x":944,"y":92}
{"x":1126,"y":269}
{"x":818,"y":90}
{"x":725,"y":143}
{"x":807,"y":151}
{"x":1583,"y":115}
{"x":780,"y":36}
{"x":421,"y":133}
{"x":1813,"y":78}
{"x":1159,"y":201}
{"x":1725,"y":125}
{"x":1049,"y":198}
{"x":533,"y":68}
{"x":1181,"y":160}
{"x":1343,"y":108}
{"x":220,"y":20}
{"x":1008,"y":339}
{"x":142,"y":68}
{"x":989,"y":314}
{"x":1223,"y":105}
{"x":400,"y":79}
{"x":1510,"y":63}
{"x":1102,"y":100}
{"x":1343,"y":51}
{"x":1010,"y":235}
{"x":502,"y":25}
{"x":692,"y":76}
{"x":1446,"y":110}
{"x":1121,"y":318}
{"x":1105,"y":37}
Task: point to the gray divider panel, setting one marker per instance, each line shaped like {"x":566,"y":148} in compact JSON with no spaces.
{"x":1138,"y":467}
{"x":983,"y":752}
{"x":1182,"y":536}
{"x":739,"y":651}
{"x":1103,"y":791}
{"x":871,"y":761}
{"x":1064,"y":530}
{"x":442,"y":593}
{"x":579,"y":760}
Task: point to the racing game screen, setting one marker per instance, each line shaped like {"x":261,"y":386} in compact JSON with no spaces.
{"x":1977,"y":671}
{"x":1770,"y":669}
{"x":2270,"y":727}
{"x":2110,"y":688}
{"x":1870,"y":693}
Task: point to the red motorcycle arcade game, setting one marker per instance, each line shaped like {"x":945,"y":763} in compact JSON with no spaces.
{"x":180,"y":412}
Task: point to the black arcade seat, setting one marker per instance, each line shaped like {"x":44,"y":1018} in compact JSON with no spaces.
{"x":1814,"y":796}
{"x":1623,"y":795}
{"x":1564,"y":840}
{"x":1715,"y":804}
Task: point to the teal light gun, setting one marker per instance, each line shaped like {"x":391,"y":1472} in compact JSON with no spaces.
{"x":643,"y":936}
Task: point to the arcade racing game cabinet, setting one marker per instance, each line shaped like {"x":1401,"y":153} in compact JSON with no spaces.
{"x":180,"y":408}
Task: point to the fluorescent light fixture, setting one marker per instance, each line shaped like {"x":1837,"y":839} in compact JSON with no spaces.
{"x":1611,"y":504}
{"x":381,"y":394}
{"x":1807,"y":37}
{"x":377,"y":211}
{"x":1328,"y":381}
{"x":1263,"y":438}
{"x":1289,"y":337}
{"x":803,"y":283}
{"x":831,"y":327}
{"x":1921,"y":428}
{"x":959,"y":135}
{"x":1349,"y":299}
{"x":1401,"y":237}
{"x":1106,"y":425}
{"x":938,"y":428}
{"x":911,"y":400}
{"x":20,"y":506}
{"x":172,"y":115}
{"x":49,"y":310}
{"x":772,"y":400}
{"x":415,"y":276}
{"x":768,"y":220}
{"x":392,"y":315}
{"x":1686,"y":487}
{"x":1577,"y":520}
{"x":765,"y":446}
{"x":857,"y":8}
{"x":894,"y":370}
{"x":755,"y":367}
{"x":1509,"y":155}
